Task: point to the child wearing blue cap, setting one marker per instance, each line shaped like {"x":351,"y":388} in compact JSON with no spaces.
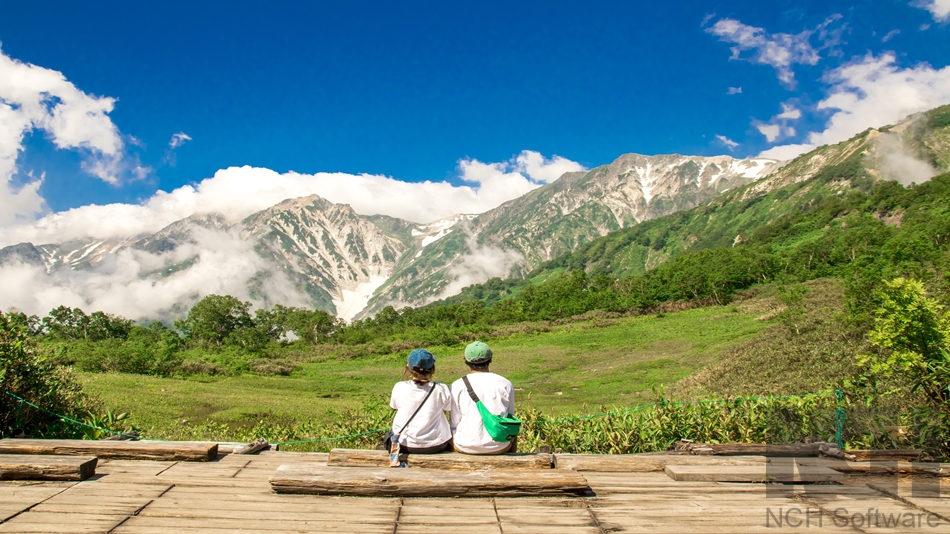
{"x":421,"y":405}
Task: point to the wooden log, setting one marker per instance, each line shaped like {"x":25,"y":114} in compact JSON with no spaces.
{"x":41,"y":467}
{"x":252,"y":447}
{"x":788,"y":450}
{"x":129,"y":450}
{"x":389,"y":482}
{"x":646,"y":463}
{"x":763,"y":473}
{"x":125,"y":436}
{"x":445,"y":461}
{"x":908,"y":455}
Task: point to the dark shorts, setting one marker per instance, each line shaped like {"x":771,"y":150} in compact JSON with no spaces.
{"x":426,"y":450}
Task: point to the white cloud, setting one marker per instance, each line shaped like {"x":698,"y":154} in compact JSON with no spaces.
{"x":940,"y":9}
{"x":900,"y":164}
{"x":543,"y":170}
{"x":35,"y":98}
{"x":734,"y":91}
{"x":872,"y":92}
{"x":730,"y":144}
{"x":479,"y":264}
{"x":129,"y":283}
{"x":238,"y":192}
{"x":779,"y":50}
{"x":786,"y":152}
{"x":789,"y":112}
{"x":770,"y":131}
{"x":890,"y":35}
{"x":778,"y":126}
{"x":178,"y":139}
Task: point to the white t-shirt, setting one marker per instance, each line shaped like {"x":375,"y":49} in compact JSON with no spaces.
{"x":429,"y":428}
{"x":468,"y":431}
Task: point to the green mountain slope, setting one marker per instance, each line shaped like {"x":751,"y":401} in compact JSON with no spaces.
{"x":766,"y":211}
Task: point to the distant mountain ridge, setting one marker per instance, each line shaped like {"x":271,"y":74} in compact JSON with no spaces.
{"x":354,"y":264}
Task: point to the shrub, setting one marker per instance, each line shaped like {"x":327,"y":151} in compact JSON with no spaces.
{"x":24,"y":373}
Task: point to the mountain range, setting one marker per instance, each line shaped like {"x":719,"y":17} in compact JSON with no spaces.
{"x":355,"y":264}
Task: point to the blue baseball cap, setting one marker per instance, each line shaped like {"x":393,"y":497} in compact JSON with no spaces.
{"x":421,"y":359}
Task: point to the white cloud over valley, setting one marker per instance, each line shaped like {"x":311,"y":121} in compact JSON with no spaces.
{"x":130,"y":282}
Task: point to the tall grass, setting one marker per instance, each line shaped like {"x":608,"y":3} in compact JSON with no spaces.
{"x":650,"y":428}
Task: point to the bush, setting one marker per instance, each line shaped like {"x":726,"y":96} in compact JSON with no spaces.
{"x":24,"y":373}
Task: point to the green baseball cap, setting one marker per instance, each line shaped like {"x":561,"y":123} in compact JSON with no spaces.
{"x":477,"y":352}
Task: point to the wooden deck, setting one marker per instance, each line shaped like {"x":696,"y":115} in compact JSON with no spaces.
{"x":232,"y":493}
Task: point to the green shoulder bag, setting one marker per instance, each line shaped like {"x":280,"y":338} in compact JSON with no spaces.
{"x":500,"y":427}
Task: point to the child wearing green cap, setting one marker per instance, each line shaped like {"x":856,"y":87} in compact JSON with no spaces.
{"x":495,"y":392}
{"x":421,"y":405}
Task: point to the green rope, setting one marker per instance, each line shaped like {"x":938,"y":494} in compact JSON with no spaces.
{"x":69,"y":419}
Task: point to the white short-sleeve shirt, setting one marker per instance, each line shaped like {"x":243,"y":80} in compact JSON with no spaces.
{"x":429,"y":427}
{"x":468,"y":431}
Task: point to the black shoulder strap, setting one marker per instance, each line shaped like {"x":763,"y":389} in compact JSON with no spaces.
{"x":471,"y":392}
{"x":411,"y":417}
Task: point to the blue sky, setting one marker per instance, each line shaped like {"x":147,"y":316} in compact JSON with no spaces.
{"x":418,"y":91}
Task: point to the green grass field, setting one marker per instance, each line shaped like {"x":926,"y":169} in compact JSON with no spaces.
{"x":571,"y":368}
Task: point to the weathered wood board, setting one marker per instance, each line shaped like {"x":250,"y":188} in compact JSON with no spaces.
{"x":763,"y":473}
{"x":446,"y":461}
{"x":877,"y":467}
{"x":383,"y":482}
{"x":43,"y":467}
{"x":646,"y":463}
{"x":129,"y":450}
{"x":760,"y":449}
{"x":908,"y":455}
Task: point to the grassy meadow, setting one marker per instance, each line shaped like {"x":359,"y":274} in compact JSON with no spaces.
{"x":569,"y":368}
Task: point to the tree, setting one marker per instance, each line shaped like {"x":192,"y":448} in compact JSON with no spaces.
{"x":214,"y":318}
{"x":68,"y":323}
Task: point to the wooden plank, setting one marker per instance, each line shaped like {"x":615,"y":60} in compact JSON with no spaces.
{"x":446,"y":461}
{"x":908,"y":455}
{"x":698,"y":473}
{"x":130,"y":450}
{"x":758,"y":449}
{"x":41,"y":467}
{"x":646,"y":463}
{"x":426,"y":482}
{"x":57,"y":522}
{"x":875,"y":467}
{"x":171,"y":524}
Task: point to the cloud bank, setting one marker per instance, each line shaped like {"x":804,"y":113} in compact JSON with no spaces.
{"x":131,"y":282}
{"x":872,"y":91}
{"x":238,"y":192}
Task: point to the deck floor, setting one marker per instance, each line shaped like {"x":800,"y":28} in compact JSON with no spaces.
{"x":233,"y":494}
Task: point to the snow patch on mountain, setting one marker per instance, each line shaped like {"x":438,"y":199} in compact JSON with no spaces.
{"x":353,"y":300}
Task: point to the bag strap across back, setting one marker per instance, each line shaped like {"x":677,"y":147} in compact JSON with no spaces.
{"x":417,"y":409}
{"x":471,"y":392}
